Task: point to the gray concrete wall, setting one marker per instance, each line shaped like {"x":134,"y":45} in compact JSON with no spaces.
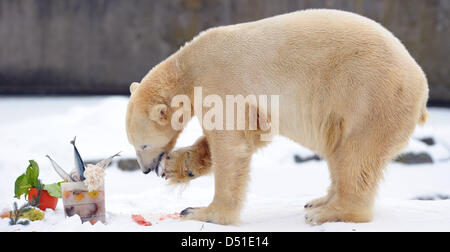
{"x":101,"y":46}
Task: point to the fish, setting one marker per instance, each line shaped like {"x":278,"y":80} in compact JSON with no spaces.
{"x":79,"y":164}
{"x":104,"y":163}
{"x":62,"y":173}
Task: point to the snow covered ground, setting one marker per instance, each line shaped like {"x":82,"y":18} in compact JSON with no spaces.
{"x":30,"y":128}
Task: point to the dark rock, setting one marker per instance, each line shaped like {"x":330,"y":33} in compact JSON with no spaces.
{"x":413,"y":158}
{"x":428,"y":141}
{"x":433,"y":197}
{"x":128,"y":164}
{"x":299,"y":159}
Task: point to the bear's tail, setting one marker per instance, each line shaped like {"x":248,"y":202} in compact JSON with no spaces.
{"x":424,"y":115}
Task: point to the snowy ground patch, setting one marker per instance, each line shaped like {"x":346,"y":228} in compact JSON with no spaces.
{"x":30,"y":128}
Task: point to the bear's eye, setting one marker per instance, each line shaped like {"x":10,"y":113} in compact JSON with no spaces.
{"x":145,"y":146}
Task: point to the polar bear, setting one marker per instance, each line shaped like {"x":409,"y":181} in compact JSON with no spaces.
{"x":348,"y":90}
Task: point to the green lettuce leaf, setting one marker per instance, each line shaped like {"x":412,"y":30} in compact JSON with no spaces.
{"x":26,"y":181}
{"x":54,"y":189}
{"x":21,"y":186}
{"x":32,"y":173}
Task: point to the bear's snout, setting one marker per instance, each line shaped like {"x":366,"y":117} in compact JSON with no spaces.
{"x":153,"y":165}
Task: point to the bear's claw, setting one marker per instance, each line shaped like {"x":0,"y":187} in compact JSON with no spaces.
{"x":186,"y":211}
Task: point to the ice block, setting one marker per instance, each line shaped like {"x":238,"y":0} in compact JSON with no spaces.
{"x":89,"y":205}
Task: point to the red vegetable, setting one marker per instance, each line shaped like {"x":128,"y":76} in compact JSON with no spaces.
{"x":47,"y":201}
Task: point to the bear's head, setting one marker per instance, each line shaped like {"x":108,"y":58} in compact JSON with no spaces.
{"x":148,"y":125}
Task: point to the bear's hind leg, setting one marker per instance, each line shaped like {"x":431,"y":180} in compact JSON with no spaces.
{"x":357,"y":173}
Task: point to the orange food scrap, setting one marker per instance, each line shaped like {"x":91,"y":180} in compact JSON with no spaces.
{"x":173,"y":216}
{"x":5,"y":215}
{"x":67,"y":194}
{"x":140,"y":220}
{"x":78,"y":196}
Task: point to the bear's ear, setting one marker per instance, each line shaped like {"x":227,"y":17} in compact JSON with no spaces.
{"x":158,"y":113}
{"x":133,"y":87}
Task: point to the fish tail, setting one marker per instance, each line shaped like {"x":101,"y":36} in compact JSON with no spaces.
{"x":73,"y":141}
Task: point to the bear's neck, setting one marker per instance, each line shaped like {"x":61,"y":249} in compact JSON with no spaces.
{"x":168,"y":79}
{"x":182,"y":81}
{"x":185,"y":69}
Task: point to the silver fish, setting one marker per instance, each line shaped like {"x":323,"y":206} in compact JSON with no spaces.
{"x":75,"y":174}
{"x":79,"y":164}
{"x":104,"y":163}
{"x":63,"y":174}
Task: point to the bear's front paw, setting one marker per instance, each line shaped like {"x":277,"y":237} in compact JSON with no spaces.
{"x":195,"y":213}
{"x":318,"y":202}
{"x":177,"y":167}
{"x":188,"y":163}
{"x":210,"y":214}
